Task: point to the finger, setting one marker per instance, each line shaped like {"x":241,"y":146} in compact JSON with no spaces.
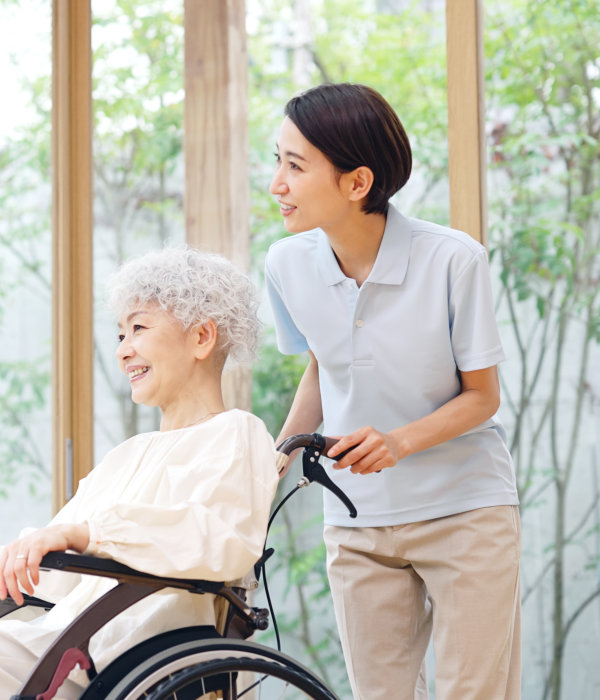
{"x":376,"y":468}
{"x":22,"y":573}
{"x":339,"y":446}
{"x":369,"y":449}
{"x":352,"y":457}
{"x":3,"y":558}
{"x":21,"y":568}
{"x":34,"y":569}
{"x":374,"y":460}
{"x":3,"y":588}
{"x":348,"y":441}
{"x":10,"y":578}
{"x":362,"y":467}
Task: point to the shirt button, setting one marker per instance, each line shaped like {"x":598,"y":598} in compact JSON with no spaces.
{"x":360,"y":323}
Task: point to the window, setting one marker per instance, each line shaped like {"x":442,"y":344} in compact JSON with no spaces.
{"x":25,"y":267}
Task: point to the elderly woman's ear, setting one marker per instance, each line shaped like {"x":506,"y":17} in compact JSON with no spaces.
{"x":205,"y":337}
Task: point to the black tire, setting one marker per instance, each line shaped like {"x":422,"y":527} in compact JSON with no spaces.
{"x":139,"y":679}
{"x":269,"y":679}
{"x":102,"y":685}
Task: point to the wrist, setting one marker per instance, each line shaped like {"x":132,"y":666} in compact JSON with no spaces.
{"x":77,"y":536}
{"x":402,"y":442}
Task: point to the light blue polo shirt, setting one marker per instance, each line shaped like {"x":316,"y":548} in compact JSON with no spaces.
{"x":388,"y":354}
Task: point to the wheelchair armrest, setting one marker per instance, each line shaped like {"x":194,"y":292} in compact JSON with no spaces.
{"x":108,"y":568}
{"x":97,"y":566}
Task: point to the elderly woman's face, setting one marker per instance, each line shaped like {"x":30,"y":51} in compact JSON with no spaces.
{"x":156,"y":353}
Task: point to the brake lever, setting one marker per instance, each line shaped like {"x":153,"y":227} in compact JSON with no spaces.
{"x":313,"y":470}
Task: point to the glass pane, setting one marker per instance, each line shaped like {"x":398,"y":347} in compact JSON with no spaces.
{"x":138,"y":172}
{"x":25,"y":267}
{"x":543,"y":101}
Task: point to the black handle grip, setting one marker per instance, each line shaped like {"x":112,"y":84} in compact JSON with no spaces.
{"x":295,"y":441}
{"x":313,"y":470}
{"x":314,"y":446}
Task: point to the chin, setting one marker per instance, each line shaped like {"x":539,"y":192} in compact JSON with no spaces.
{"x":139,"y":398}
{"x":294,"y":228}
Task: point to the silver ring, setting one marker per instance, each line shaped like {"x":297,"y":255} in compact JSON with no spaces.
{"x":21,"y":556}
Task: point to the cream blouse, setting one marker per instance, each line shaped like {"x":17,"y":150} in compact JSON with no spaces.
{"x":190,"y":503}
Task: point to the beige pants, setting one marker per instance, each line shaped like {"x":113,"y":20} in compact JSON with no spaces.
{"x":457,"y":575}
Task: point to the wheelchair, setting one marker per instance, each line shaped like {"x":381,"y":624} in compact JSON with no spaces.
{"x":190,"y":662}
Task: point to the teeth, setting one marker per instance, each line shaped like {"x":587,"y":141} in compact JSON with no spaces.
{"x":287,"y":207}
{"x":137,"y":372}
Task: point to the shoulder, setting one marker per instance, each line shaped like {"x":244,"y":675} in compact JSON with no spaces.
{"x":244,"y":420}
{"x":297,"y":244}
{"x":444,"y":250}
{"x":450,"y":238}
{"x":248,"y":427}
{"x":254,"y":442}
{"x":446,"y":240}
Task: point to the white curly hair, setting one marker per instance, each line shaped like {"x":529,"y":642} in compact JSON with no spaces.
{"x":195,"y":287}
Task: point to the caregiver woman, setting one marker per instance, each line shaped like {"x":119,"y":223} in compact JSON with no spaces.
{"x":396,"y":315}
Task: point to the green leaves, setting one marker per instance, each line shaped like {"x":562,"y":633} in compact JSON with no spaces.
{"x":275,"y":378}
{"x":24,"y":389}
{"x":543,"y":83}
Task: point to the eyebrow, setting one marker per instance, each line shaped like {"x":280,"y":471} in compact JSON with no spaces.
{"x":133,"y":314}
{"x":292,"y":154}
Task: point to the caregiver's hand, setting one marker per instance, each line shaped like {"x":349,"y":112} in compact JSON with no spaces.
{"x":372,"y":452}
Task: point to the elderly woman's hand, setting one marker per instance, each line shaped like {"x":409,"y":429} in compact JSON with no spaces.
{"x":20,"y":560}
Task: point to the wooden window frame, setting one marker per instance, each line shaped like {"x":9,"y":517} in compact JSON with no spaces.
{"x":72,"y":290}
{"x":467,"y":170}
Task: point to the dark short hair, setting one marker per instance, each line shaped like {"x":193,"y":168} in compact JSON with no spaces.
{"x":353,"y":125}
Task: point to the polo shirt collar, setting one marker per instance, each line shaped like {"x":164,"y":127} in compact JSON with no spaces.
{"x":392,"y":259}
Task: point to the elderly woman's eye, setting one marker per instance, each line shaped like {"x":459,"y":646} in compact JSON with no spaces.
{"x":121,"y":337}
{"x":137,"y":327}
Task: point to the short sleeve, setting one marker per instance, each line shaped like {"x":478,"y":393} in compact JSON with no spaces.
{"x":290,"y":340}
{"x":475,"y":338}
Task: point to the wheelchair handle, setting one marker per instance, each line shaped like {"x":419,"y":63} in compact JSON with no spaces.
{"x":307,"y":440}
{"x":316,"y":445}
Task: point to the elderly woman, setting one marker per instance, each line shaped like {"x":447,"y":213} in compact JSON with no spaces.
{"x":189,"y":500}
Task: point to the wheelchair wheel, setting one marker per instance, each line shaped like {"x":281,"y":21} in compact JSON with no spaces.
{"x":241,"y":677}
{"x":235,"y":669}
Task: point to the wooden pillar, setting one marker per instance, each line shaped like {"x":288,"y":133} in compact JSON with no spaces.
{"x":72,"y":344}
{"x":466,"y":133}
{"x":217,"y":191}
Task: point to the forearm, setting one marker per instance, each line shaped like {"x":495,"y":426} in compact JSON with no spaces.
{"x":459,"y":415}
{"x":371,"y":450}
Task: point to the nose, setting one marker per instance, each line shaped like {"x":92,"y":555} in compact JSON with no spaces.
{"x":124,"y":350}
{"x":278,"y":185}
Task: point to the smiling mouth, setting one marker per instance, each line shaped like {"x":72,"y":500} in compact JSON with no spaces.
{"x":137,"y":372}
{"x":286,"y":209}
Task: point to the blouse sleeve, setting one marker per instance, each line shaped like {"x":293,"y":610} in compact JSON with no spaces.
{"x":210,"y":518}
{"x":55,"y":585}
